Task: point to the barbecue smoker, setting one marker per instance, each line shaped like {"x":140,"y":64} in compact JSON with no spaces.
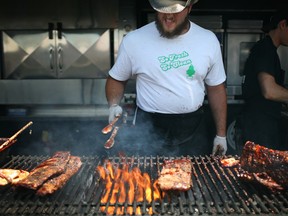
{"x":216,"y":190}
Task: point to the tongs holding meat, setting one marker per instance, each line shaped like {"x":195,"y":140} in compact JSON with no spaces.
{"x":109,"y":127}
{"x":219,"y":151}
{"x":10,"y":141}
{"x":110,"y":142}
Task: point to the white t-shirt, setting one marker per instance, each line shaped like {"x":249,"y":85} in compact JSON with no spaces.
{"x":170,"y":73}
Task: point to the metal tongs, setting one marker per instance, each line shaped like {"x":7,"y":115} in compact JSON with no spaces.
{"x":10,"y":141}
{"x":110,"y":142}
{"x":110,"y":126}
{"x":219,"y":151}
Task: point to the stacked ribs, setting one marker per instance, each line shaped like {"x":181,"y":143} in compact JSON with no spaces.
{"x":267,"y":166}
{"x":52,"y":174}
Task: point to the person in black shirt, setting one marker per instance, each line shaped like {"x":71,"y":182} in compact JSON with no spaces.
{"x":262,"y":87}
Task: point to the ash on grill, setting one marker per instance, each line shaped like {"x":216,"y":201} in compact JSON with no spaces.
{"x":215,"y":190}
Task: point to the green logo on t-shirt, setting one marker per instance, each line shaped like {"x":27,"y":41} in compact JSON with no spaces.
{"x":190,"y":72}
{"x":176,"y":61}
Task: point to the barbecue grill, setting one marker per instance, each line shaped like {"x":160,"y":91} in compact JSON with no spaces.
{"x":215,"y":190}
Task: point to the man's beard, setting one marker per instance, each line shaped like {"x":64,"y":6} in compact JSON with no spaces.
{"x":176,"y":32}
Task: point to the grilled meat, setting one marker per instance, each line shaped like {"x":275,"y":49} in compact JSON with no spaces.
{"x":266,"y":180}
{"x":47,"y":169}
{"x":12,"y":176}
{"x":269,"y":167}
{"x":229,"y":162}
{"x":176,"y":175}
{"x":261,"y":178}
{"x":58,"y":182}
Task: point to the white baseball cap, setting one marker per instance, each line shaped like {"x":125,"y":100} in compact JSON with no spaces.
{"x":171,"y":6}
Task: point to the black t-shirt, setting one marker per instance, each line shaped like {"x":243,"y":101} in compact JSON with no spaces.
{"x":263,"y":58}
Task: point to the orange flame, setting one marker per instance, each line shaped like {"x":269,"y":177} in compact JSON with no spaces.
{"x":122,"y":185}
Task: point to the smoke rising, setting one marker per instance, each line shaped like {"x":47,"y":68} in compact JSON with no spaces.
{"x":83,"y":136}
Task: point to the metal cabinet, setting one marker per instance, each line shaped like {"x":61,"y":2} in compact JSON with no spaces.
{"x":56,"y":53}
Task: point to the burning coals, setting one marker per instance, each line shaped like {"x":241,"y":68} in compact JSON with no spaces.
{"x":126,"y":186}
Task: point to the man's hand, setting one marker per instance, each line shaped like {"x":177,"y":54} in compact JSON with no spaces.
{"x":114,"y":111}
{"x":219,"y":145}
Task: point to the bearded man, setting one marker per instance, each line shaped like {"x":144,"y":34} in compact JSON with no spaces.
{"x":175,"y":63}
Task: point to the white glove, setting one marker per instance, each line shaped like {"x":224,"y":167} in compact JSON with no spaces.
{"x":219,"y":145}
{"x":114,"y":111}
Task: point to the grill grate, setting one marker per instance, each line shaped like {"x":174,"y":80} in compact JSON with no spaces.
{"x":216,"y":190}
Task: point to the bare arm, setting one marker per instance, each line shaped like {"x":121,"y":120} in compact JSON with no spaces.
{"x":218,"y":103}
{"x":271,"y":90}
{"x":114,"y":90}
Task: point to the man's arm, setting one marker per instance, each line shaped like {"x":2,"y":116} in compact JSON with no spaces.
{"x":271,"y":90}
{"x":114,"y":90}
{"x":218,"y":103}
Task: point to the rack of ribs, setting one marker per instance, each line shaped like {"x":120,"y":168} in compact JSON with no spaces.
{"x":267,"y":166}
{"x":58,"y":182}
{"x":45,"y":170}
{"x":176,"y":175}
